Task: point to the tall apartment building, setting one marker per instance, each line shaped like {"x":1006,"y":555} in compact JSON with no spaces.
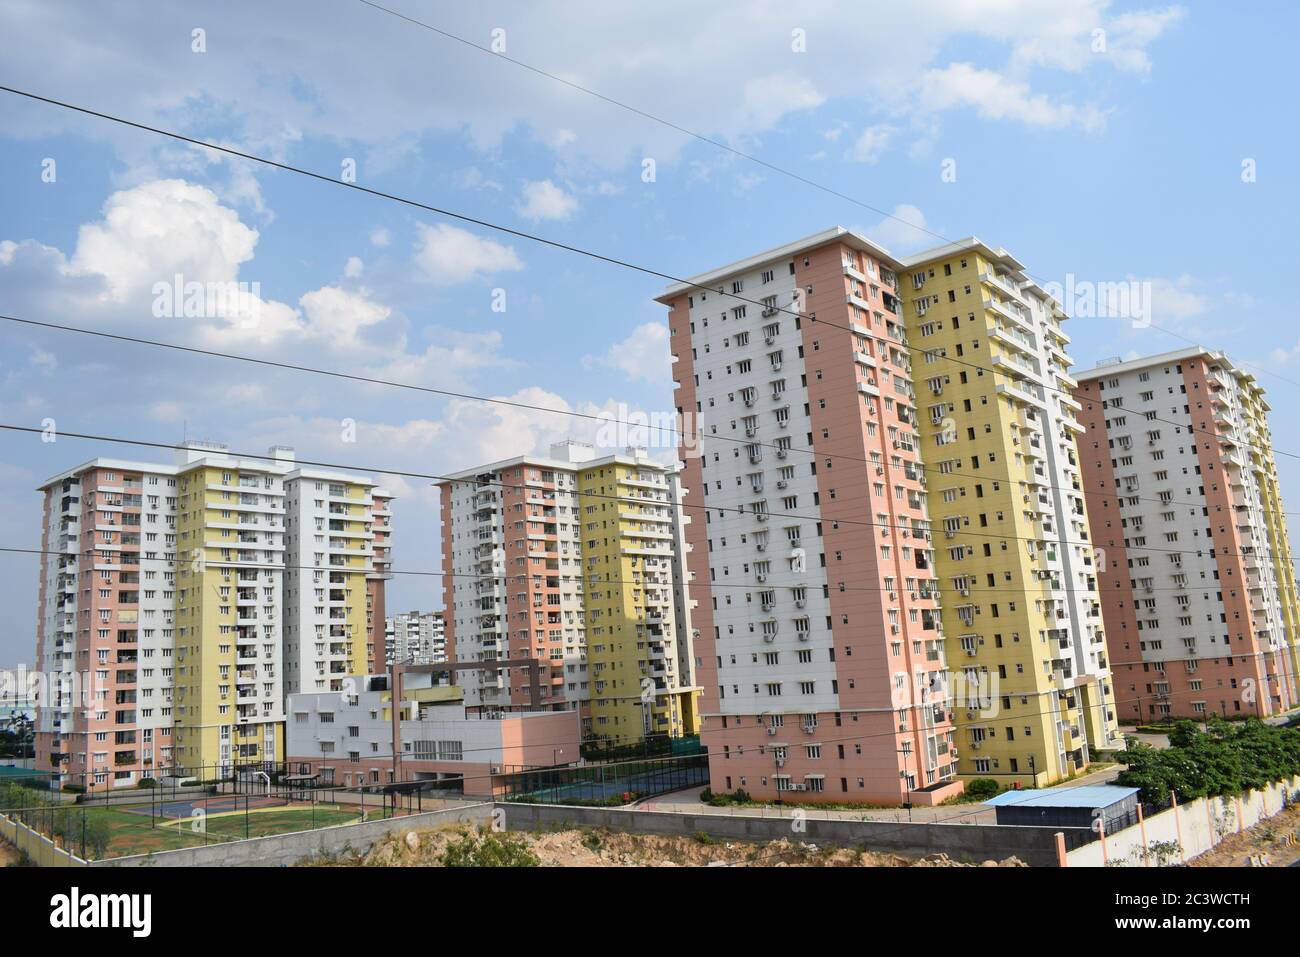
{"x":162,"y":612}
{"x":417,"y":636}
{"x":377,"y":579}
{"x":820,"y":643}
{"x":332,"y":577}
{"x":1199,"y":590}
{"x":568,"y":560}
{"x":1022,"y":612}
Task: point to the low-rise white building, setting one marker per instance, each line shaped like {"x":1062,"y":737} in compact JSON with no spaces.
{"x":346,"y":738}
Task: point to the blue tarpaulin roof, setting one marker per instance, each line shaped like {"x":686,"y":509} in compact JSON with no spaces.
{"x":1089,"y":796}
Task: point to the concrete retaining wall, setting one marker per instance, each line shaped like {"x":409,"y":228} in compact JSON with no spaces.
{"x":1194,"y":828}
{"x":39,"y":848}
{"x":965,"y":842}
{"x":282,"y":850}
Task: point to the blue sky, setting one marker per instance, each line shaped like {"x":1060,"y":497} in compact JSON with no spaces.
{"x":1109,"y":161}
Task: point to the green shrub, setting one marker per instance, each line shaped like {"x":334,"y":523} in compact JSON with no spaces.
{"x":488,"y":849}
{"x":981,"y":789}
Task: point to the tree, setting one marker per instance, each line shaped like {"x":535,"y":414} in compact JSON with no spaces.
{"x":1226,"y":758}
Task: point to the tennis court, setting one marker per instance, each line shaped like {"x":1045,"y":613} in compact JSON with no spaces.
{"x":183,"y":810}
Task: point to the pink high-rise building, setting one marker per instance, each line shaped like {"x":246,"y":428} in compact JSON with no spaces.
{"x":1198,"y":585}
{"x":819,"y":641}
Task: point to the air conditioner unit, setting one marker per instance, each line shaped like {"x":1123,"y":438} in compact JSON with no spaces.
{"x":809,"y":729}
{"x":761,"y":578}
{"x":782,"y":483}
{"x":794,"y":542}
{"x":767,"y":606}
{"x":893,"y":629}
{"x":768,"y":340}
{"x":893,"y":596}
{"x":975,"y":745}
{"x":780,"y":762}
{"x":804,"y":635}
{"x":771,"y":729}
{"x":799,"y":602}
{"x":762,"y":547}
{"x":965,"y":592}
{"x":798,"y":787}
{"x":751,"y":432}
{"x":781,"y":453}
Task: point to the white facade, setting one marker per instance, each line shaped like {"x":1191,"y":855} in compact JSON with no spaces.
{"x":751,"y":379}
{"x":325,"y":598}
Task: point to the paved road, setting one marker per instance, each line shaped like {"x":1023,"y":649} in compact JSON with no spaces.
{"x":688,"y":802}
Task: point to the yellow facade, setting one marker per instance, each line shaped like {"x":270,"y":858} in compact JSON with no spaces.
{"x":1019,"y":711}
{"x":1259,"y":454}
{"x":211,"y":728}
{"x":627,"y":538}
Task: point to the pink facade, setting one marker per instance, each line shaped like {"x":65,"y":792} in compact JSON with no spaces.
{"x":98,"y":568}
{"x":376,"y":591}
{"x":1232,"y":674}
{"x":881,"y":741}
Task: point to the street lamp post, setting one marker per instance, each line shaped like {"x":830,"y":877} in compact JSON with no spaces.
{"x":907,"y":781}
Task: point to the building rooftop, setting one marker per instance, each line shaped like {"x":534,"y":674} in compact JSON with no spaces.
{"x":1089,"y":796}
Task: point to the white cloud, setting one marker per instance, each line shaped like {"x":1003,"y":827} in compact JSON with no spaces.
{"x":903,"y":231}
{"x":873,"y":141}
{"x":353,"y":268}
{"x":380,"y":237}
{"x":998,"y":97}
{"x":767,"y":99}
{"x":544,"y":200}
{"x":337,"y":315}
{"x":448,"y":255}
{"x":159,"y":229}
{"x":733,"y":77}
{"x":1179,"y":299}
{"x":642,"y":355}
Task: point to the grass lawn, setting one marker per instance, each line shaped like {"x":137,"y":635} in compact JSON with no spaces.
{"x":132,"y":833}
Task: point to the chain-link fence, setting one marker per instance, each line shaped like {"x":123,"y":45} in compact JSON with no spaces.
{"x":609,"y":784}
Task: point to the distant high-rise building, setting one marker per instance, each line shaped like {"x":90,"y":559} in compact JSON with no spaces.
{"x":569,"y":560}
{"x":165,"y":617}
{"x":1198,"y":585}
{"x":416,"y":636}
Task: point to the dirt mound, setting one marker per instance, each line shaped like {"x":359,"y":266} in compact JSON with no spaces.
{"x":592,"y":847}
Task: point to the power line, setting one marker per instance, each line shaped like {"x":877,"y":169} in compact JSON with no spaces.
{"x":626,"y":500}
{"x":651,"y":116}
{"x":473,"y":220}
{"x":671,"y":430}
{"x":578,"y":579}
{"x":726,"y":147}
